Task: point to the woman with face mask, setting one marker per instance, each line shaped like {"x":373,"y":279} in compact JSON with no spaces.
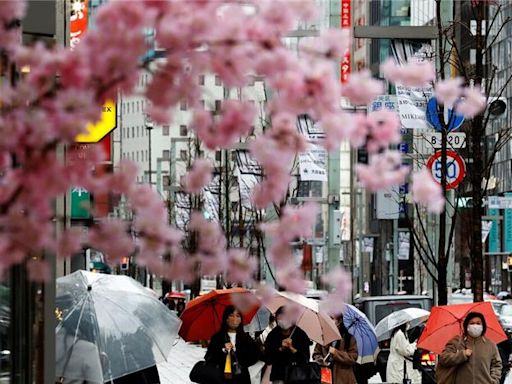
{"x":340,"y":355}
{"x":401,"y":352}
{"x":474,"y":357}
{"x":285,"y":344}
{"x":232,"y":350}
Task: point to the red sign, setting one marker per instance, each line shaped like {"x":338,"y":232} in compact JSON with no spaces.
{"x":346,"y":22}
{"x":77,"y":21}
{"x":455,"y":168}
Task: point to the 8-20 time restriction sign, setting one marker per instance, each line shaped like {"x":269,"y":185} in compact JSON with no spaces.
{"x":455,"y":168}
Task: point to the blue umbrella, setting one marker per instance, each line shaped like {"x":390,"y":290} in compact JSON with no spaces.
{"x":360,"y":327}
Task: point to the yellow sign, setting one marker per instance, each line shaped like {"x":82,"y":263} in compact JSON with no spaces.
{"x":99,"y":130}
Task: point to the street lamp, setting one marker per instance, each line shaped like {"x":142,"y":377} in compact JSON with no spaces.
{"x":149,"y":127}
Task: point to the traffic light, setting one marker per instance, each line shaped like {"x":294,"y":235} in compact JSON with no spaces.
{"x":125,"y":262}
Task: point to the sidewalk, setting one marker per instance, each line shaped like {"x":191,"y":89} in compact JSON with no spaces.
{"x":182,"y":358}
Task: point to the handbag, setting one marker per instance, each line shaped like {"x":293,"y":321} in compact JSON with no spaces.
{"x":203,"y":373}
{"x":302,"y":373}
{"x":325,"y":375}
{"x":406,"y":379}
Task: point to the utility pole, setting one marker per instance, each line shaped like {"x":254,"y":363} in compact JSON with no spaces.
{"x":149,"y":127}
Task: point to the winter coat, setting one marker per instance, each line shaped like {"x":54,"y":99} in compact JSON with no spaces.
{"x":77,"y":360}
{"x":343,"y":360}
{"x":482,"y":367}
{"x":279,"y":359}
{"x":401,"y":350}
{"x":246,"y":352}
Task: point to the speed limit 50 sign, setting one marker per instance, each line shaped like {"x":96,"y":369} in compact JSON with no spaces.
{"x":455,"y":168}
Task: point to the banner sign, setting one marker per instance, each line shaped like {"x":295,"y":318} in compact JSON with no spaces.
{"x":403,"y":245}
{"x":412,"y":101}
{"x":507,"y":227}
{"x":313,"y":162}
{"x":346,"y":22}
{"x":249,"y":174}
{"x":77,"y":21}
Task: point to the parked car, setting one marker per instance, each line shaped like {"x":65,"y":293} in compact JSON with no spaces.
{"x":505,"y":317}
{"x":378,"y":307}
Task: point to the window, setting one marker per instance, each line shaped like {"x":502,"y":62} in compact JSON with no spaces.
{"x":183,"y":154}
{"x":165,"y":130}
{"x":147,"y":155}
{"x":218,"y":155}
{"x":183,"y":130}
{"x":133,"y":131}
{"x":183,"y":106}
{"x":166,"y":154}
{"x":138,"y":131}
{"x":202,"y":103}
{"x":137,"y":155}
{"x":217,"y":80}
{"x":201,"y":79}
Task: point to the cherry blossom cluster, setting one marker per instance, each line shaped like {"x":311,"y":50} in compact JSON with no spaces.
{"x":295,"y":223}
{"x":64,"y":90}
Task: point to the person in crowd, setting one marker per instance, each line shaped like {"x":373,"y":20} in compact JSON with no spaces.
{"x":285,"y":344}
{"x":476,"y":358}
{"x":341,"y":355}
{"x":401,"y":352}
{"x":180,"y":307}
{"x":505,"y":350}
{"x":263,"y":336}
{"x":77,"y":357}
{"x":232,"y":350}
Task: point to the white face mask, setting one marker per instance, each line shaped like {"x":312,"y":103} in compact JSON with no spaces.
{"x":284,"y":324}
{"x":475,"y":330}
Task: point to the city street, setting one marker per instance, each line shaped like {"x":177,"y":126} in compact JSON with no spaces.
{"x":182,"y":358}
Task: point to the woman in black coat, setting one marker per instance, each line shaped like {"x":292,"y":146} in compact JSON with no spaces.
{"x":232,"y":340}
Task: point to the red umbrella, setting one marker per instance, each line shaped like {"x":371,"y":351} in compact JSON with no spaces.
{"x":202,"y":316}
{"x":446,"y":321}
{"x":175,"y":295}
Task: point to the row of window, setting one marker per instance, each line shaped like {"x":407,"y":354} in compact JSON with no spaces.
{"x":136,"y":156}
{"x":140,"y":131}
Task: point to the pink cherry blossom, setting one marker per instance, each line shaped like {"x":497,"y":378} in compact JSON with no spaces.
{"x":38,"y":270}
{"x":338,"y":127}
{"x":427,"y":192}
{"x":100,"y":237}
{"x":361,"y":88}
{"x":382,"y":171}
{"x":473,"y":102}
{"x":292,"y":279}
{"x":199,"y":176}
{"x":240,"y":266}
{"x":384,"y":129}
{"x":449,"y":91}
{"x":412,"y":74}
{"x":332,"y":43}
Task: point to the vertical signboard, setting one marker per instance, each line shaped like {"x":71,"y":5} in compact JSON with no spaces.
{"x":494,"y":239}
{"x":346,"y":22}
{"x":80,"y":201}
{"x":507,"y":225}
{"x":77,"y":21}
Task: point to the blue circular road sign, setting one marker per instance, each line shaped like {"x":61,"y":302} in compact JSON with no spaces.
{"x":452,"y":120}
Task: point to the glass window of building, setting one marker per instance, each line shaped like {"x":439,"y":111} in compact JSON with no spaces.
{"x":165,"y":130}
{"x":183,"y":154}
{"x":183,"y":130}
{"x":166,"y":154}
{"x":217,"y":80}
{"x":201,"y":79}
{"x":183,"y":106}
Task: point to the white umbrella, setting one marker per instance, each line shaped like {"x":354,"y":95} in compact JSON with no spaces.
{"x":318,"y":325}
{"x":413,"y":316}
